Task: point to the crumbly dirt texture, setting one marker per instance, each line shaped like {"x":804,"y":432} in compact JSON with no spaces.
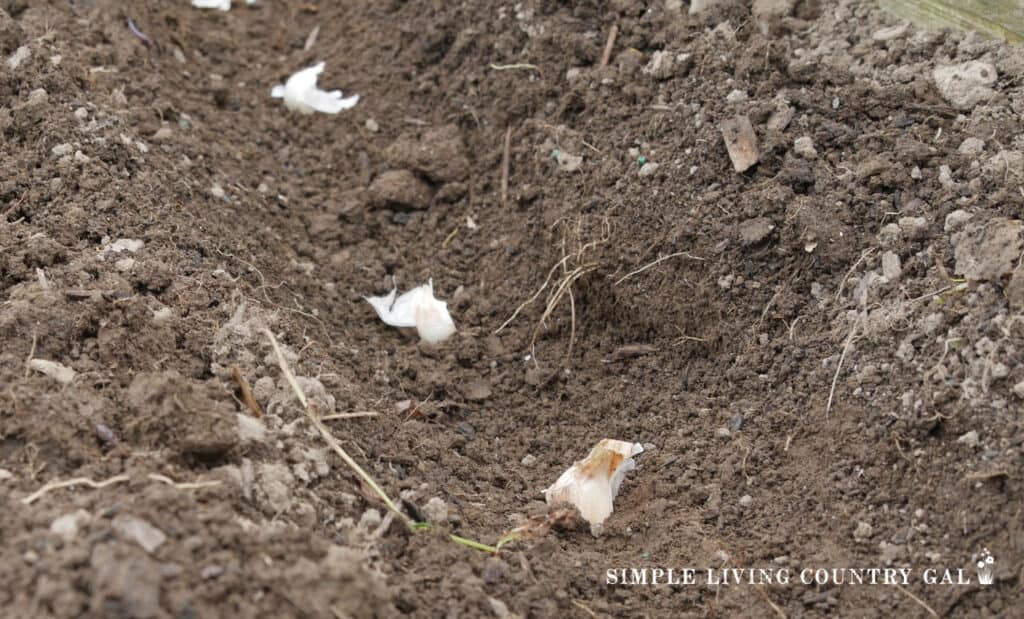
{"x":822,"y":354}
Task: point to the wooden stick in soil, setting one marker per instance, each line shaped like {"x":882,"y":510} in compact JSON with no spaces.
{"x":247,"y":396}
{"x":609,"y":46}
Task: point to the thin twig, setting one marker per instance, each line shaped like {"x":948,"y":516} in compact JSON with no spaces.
{"x":658,"y":261}
{"x":921,"y":602}
{"x":247,"y":396}
{"x":839,"y":366}
{"x":349,"y":415}
{"x":326,"y":434}
{"x":764,"y":594}
{"x":609,"y":46}
{"x":505,"y":167}
{"x":68,"y":483}
{"x":185,"y":485}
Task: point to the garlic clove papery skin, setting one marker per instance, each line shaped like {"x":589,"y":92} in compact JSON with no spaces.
{"x":301,"y":94}
{"x":416,"y":308}
{"x":220,"y":5}
{"x":593,"y":483}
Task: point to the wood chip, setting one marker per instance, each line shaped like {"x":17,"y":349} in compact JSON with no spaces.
{"x":741,"y":142}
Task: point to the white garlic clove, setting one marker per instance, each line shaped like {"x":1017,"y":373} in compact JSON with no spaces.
{"x":593,"y":483}
{"x":416,"y":308}
{"x":220,"y":5}
{"x":301,"y":94}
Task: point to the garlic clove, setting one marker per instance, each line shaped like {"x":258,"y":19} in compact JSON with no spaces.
{"x":416,"y":308}
{"x":301,"y":94}
{"x":220,"y":5}
{"x":593,"y":483}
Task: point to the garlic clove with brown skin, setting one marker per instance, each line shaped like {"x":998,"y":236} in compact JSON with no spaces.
{"x":593,"y":483}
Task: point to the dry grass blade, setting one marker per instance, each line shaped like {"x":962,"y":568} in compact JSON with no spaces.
{"x":326,"y":434}
{"x":839,"y":365}
{"x":68,"y":483}
{"x":919,"y":601}
{"x":655,"y":263}
{"x":609,"y":45}
{"x":349,"y":415}
{"x":778,"y":611}
{"x":564,"y":287}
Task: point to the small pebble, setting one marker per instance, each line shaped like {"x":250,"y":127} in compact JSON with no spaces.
{"x":649,"y":169}
{"x":737,"y":96}
{"x":804,"y":147}
{"x":863,"y":531}
{"x":969,"y":438}
{"x":436,"y":510}
{"x":723,"y":433}
{"x":746,"y":500}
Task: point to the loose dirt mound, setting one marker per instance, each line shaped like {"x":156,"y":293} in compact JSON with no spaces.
{"x":821,"y":354}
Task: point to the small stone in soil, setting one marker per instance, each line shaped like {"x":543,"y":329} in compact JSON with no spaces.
{"x":140,"y":531}
{"x":969,"y":438}
{"x":436,"y":510}
{"x":863,"y":531}
{"x":804,"y":147}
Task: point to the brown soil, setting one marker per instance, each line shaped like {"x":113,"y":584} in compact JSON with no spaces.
{"x":720,"y":359}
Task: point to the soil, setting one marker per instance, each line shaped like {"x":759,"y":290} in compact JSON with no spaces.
{"x":821,"y":354}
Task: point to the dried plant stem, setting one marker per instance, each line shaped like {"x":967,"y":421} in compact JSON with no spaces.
{"x":533,"y":298}
{"x":247,"y":396}
{"x":326,"y":434}
{"x":609,"y":45}
{"x":192,"y":485}
{"x":764,"y":594}
{"x":511,"y":67}
{"x":919,"y":601}
{"x":656,"y":262}
{"x":842,"y":283}
{"x":68,"y":483}
{"x":349,"y":415}
{"x":839,"y":365}
{"x":505,"y":163}
{"x":31,"y":353}
{"x":564,"y":287}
